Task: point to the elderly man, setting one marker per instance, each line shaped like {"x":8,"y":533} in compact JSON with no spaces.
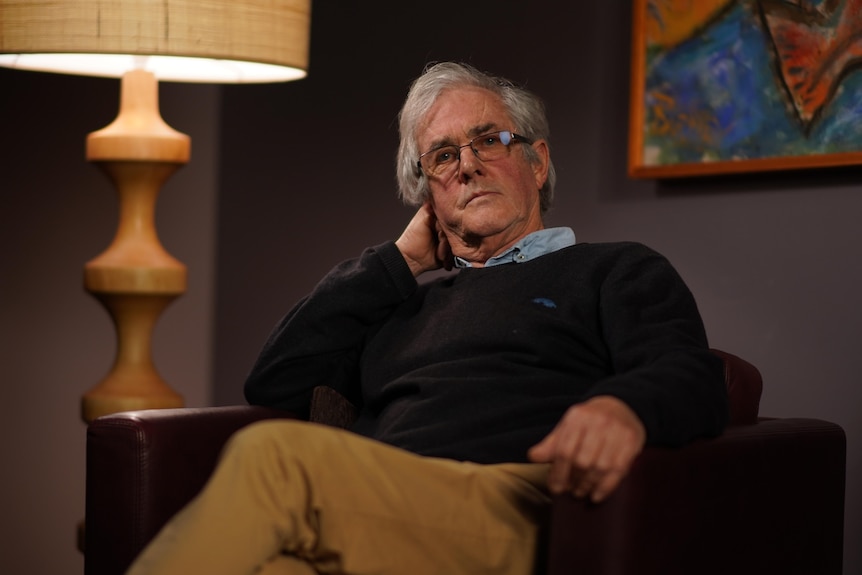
{"x":541,"y":366}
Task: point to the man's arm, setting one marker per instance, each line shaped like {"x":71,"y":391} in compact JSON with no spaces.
{"x":667,"y":387}
{"x":320,"y":340}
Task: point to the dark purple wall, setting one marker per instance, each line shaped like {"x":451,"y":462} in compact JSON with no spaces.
{"x":299,"y":176}
{"x":307,"y":180}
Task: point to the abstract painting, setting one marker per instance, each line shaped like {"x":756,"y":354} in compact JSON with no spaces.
{"x":725,"y":86}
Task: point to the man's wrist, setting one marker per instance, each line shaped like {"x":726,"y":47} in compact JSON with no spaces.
{"x":416,"y":267}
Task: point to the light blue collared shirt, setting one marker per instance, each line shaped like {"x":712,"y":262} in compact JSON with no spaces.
{"x":529,"y":247}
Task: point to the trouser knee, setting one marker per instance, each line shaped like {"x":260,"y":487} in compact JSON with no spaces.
{"x":282,"y":439}
{"x":266,"y":435}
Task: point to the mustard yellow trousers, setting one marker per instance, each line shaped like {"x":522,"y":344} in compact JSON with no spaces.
{"x":291,"y":497}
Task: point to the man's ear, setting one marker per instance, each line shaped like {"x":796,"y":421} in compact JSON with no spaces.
{"x":540,"y":166}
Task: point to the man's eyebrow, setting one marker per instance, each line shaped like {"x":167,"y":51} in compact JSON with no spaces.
{"x":482,"y":129}
{"x":472,"y":133}
{"x":441,"y":142}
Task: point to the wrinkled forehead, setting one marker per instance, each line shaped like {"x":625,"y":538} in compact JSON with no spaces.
{"x":459,"y":114}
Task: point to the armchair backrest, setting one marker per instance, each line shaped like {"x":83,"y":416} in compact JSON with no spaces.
{"x":744,"y":388}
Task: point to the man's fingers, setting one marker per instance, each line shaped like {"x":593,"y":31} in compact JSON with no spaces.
{"x":607,"y":471}
{"x":444,"y":253}
{"x":571,"y":455}
{"x":606,"y":486}
{"x":546,"y":451}
{"x":592,"y":448}
{"x":587,"y":470}
{"x":543,"y":451}
{"x":418,"y":242}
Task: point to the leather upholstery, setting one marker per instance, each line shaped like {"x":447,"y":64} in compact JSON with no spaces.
{"x":765,"y":497}
{"x":744,"y":388}
{"x":142,"y":467}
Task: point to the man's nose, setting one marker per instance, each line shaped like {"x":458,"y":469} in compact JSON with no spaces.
{"x":469,"y":163}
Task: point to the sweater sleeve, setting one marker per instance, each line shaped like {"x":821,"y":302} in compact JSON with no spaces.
{"x":319,"y":342}
{"x":663,"y":368}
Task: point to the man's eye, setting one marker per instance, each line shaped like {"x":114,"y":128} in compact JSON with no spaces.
{"x":490,"y":141}
{"x":444,"y":156}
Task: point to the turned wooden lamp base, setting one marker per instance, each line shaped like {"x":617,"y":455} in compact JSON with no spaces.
{"x":135,"y":278}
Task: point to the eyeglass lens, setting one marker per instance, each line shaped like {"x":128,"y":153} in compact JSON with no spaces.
{"x":486,"y":147}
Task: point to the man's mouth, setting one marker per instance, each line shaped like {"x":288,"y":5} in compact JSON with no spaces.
{"x":476,"y":195}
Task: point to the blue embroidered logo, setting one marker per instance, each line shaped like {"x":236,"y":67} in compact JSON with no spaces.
{"x":549,"y":303}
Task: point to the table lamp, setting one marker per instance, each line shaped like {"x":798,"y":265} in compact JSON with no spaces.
{"x":144,"y":42}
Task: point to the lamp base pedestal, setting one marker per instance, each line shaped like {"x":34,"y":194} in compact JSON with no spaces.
{"x":135,"y":278}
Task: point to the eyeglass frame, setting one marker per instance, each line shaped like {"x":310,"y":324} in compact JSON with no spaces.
{"x":513,"y":139}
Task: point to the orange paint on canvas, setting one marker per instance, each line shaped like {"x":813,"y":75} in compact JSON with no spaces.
{"x":669,"y":22}
{"x":667,"y":120}
{"x":815,"y":50}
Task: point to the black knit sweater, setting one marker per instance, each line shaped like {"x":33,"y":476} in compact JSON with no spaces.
{"x":481,"y":365}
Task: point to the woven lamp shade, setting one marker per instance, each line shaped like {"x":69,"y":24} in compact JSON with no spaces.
{"x":241,"y":40}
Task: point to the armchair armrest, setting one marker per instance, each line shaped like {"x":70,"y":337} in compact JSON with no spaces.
{"x":143,"y":466}
{"x":762,"y":498}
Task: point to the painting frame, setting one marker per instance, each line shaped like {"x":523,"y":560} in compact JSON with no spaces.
{"x":642,"y":166}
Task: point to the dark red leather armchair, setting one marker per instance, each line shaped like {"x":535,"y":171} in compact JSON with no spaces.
{"x":765,"y":497}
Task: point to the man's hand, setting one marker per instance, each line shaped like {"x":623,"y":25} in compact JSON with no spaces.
{"x":591,"y":448}
{"x":423,"y":244}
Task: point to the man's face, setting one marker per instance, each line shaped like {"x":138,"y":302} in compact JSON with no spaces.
{"x":493,"y":203}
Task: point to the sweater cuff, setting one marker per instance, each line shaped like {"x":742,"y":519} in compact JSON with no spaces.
{"x":397,"y":268}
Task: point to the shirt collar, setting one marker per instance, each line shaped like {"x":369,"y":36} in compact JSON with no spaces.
{"x":529,"y":247}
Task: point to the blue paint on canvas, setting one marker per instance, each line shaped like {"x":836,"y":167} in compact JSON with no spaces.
{"x":720,"y":96}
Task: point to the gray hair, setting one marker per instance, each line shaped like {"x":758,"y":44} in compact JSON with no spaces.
{"x":525,"y":109}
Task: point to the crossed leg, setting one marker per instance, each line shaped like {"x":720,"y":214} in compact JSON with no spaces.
{"x":291,"y":497}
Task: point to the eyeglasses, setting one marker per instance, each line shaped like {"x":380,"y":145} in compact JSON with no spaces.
{"x":491,"y":146}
